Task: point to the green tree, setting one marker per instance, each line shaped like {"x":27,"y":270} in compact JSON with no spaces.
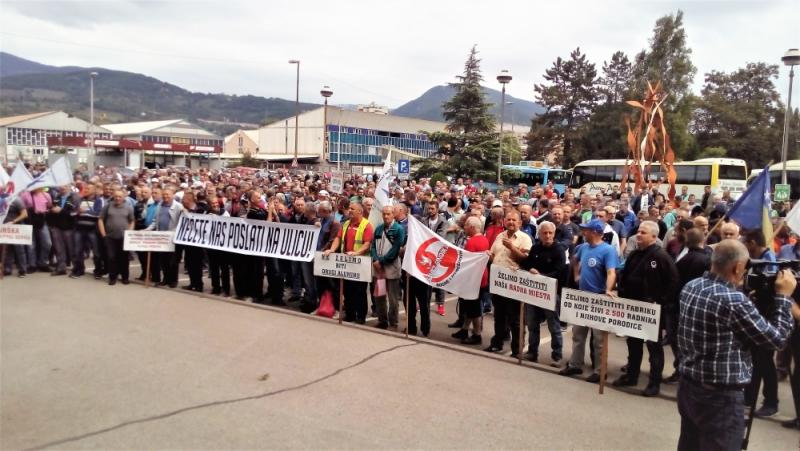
{"x":569,"y":97}
{"x":668,"y":60}
{"x":614,"y":85}
{"x":469,"y":145}
{"x":741,"y":112}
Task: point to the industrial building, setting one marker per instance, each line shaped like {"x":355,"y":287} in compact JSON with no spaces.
{"x":355,"y":137}
{"x":26,"y":137}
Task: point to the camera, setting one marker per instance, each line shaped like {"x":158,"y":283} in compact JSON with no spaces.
{"x":760,"y":280}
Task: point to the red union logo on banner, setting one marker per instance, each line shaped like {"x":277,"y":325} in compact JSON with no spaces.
{"x":437,"y":261}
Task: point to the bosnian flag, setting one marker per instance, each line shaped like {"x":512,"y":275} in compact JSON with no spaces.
{"x":751,"y":210}
{"x":433,"y":260}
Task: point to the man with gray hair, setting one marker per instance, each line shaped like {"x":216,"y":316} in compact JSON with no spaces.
{"x":649,"y":275}
{"x":717,"y":327}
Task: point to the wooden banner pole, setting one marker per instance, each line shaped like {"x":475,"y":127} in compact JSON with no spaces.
{"x":147,"y":274}
{"x":719,"y":223}
{"x":521,"y":331}
{"x":603,"y":362}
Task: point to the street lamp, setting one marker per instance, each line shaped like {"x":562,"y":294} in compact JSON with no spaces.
{"x":296,"y":108}
{"x":791,"y":59}
{"x":504,"y":77}
{"x":92,"y":76}
{"x":511,"y":105}
{"x":326,"y":92}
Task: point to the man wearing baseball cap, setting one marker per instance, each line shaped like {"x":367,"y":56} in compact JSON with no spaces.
{"x":594,"y":267}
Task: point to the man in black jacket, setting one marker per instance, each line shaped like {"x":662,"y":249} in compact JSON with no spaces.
{"x":649,"y":275}
{"x":547,"y":257}
{"x":61,"y":220}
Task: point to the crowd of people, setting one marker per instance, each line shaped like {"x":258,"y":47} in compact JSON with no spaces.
{"x":635,"y":244}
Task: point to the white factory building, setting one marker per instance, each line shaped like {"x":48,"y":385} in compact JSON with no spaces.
{"x":26,"y":137}
{"x":357,"y":137}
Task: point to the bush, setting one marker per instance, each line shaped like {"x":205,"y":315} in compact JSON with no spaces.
{"x":437,"y":176}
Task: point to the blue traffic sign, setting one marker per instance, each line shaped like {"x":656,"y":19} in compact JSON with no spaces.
{"x":403,"y":166}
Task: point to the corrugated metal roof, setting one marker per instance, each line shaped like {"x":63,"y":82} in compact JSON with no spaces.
{"x":137,"y":128}
{"x":10,"y":120}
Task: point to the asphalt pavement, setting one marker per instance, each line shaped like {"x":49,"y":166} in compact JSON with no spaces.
{"x":87,"y":365}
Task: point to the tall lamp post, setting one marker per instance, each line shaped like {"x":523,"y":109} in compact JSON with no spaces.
{"x":504,"y":77}
{"x":325,"y":92}
{"x":791,"y":59}
{"x":511,"y":105}
{"x":92,"y":76}
{"x":296,"y":108}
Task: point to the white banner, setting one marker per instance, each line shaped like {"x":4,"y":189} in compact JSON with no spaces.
{"x":16,"y":234}
{"x":618,"y":315}
{"x":523,"y":286}
{"x":148,"y":241}
{"x":433,"y":260}
{"x":337,"y":182}
{"x":248,"y":236}
{"x":343,"y":266}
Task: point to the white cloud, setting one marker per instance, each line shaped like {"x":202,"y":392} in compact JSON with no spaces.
{"x":388,"y":51}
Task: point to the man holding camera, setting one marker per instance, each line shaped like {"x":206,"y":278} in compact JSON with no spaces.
{"x":717,"y":326}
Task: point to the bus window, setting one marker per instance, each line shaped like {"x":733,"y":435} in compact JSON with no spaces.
{"x":558,"y":177}
{"x":703,"y":176}
{"x":582,"y":176}
{"x":605,"y":173}
{"x":531,"y":178}
{"x":731,"y":172}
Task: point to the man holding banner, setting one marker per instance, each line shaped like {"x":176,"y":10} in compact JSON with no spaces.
{"x":649,"y":275}
{"x":548,"y":258}
{"x":508,"y":248}
{"x":595,"y":271}
{"x":356,"y":238}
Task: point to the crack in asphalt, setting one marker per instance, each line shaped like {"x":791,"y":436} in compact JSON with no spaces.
{"x":218,"y":403}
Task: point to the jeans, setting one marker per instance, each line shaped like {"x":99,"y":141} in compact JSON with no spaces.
{"x":486,"y":301}
{"x":309,"y":282}
{"x":219,"y":270}
{"x":419,"y":293}
{"x":635,"y":352}
{"x":275,"y":279}
{"x":15,"y":253}
{"x":297,"y":279}
{"x":506,"y":316}
{"x":710,"y":419}
{"x":579,"y":335}
{"x":763,"y":371}
{"x":63,"y":242}
{"x":534,"y":317}
{"x":393,"y":293}
{"x":355,"y":301}
{"x":118,"y":263}
{"x":84,"y":240}
{"x":39,"y":253}
{"x":439,"y":296}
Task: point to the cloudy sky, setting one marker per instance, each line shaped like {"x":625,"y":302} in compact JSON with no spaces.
{"x":384,"y":51}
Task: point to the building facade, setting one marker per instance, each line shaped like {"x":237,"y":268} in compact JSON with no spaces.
{"x":352,"y":137}
{"x":26,"y":137}
{"x":241,"y":142}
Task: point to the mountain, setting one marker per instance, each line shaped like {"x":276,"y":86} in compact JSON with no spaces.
{"x":28,"y":87}
{"x":429,"y":105}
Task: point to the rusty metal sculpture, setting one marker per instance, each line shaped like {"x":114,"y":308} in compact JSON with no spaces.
{"x":648,"y":142}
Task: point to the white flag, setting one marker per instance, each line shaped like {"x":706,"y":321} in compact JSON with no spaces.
{"x":382,"y":197}
{"x":3,"y":177}
{"x":792,"y":218}
{"x":433,"y":260}
{"x":20,"y":178}
{"x":59,"y":174}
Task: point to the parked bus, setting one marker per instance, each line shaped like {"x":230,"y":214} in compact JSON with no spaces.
{"x":722,"y":174}
{"x":533,"y":172}
{"x":792,"y":176}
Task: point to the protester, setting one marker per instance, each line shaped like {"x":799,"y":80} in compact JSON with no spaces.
{"x":115,"y":219}
{"x":472,"y":308}
{"x":356,"y":238}
{"x":717,"y":326}
{"x":385,"y":252}
{"x":649,"y":275}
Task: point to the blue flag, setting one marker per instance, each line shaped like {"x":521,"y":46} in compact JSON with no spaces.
{"x":751,"y":211}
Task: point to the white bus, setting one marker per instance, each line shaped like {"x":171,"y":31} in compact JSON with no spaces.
{"x":792,"y":176}
{"x":722,"y":174}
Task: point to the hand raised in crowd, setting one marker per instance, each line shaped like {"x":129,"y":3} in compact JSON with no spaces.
{"x":785,"y":283}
